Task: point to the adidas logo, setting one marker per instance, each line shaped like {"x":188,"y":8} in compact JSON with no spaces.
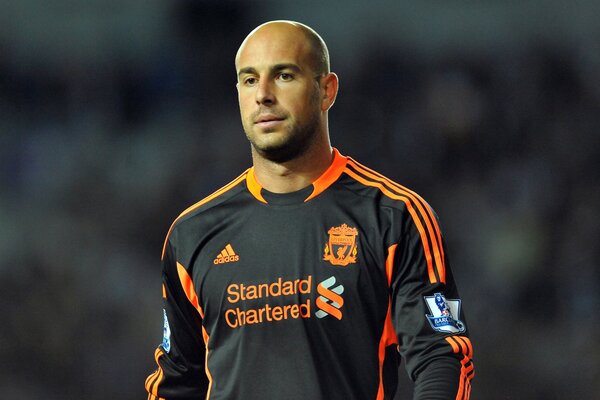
{"x":226,"y":255}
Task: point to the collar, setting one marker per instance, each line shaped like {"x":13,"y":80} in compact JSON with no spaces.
{"x":330,"y":175}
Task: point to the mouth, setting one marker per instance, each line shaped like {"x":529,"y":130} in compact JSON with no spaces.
{"x":268,"y":120}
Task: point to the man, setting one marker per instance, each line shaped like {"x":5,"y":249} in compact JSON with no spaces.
{"x":309,"y":275}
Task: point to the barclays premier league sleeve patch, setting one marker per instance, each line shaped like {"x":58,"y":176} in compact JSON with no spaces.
{"x":443,"y":314}
{"x":166,"y":342}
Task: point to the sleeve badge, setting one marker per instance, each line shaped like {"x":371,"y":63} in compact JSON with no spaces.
{"x":166,"y":342}
{"x":444,"y":314}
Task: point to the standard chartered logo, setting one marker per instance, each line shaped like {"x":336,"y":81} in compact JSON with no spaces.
{"x":267,"y":313}
{"x":329,"y":301}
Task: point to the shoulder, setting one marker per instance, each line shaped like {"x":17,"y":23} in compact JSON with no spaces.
{"x":370,"y":183}
{"x":188,"y":217}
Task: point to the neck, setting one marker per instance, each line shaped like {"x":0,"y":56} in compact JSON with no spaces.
{"x":295,"y":174}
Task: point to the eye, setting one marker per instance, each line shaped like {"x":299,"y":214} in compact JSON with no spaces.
{"x":250,"y":81}
{"x":284,"y":76}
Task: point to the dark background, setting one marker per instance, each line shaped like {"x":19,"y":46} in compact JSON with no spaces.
{"x":117,"y":115}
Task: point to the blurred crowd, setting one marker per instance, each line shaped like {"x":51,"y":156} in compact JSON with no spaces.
{"x":98,"y":157}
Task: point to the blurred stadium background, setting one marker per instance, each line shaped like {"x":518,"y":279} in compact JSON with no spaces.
{"x":116,"y":115}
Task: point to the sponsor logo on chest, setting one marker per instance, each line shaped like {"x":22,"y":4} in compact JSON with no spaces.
{"x":299,"y":305}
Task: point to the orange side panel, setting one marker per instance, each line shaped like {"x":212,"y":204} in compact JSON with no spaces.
{"x":388,"y":338}
{"x":389,"y":263}
{"x":190,"y":292}
{"x":208,"y":374}
{"x":188,"y":288}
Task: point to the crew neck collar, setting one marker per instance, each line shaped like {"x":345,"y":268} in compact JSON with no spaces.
{"x":331,"y":174}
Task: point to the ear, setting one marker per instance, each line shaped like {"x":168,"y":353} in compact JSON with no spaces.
{"x":329,"y":89}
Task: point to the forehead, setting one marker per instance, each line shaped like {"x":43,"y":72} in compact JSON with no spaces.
{"x":274,"y":45}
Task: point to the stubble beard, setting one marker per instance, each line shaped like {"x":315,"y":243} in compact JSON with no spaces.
{"x":294,"y":143}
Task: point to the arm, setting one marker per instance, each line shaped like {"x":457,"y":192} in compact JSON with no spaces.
{"x":180,"y":357}
{"x":427,"y":313}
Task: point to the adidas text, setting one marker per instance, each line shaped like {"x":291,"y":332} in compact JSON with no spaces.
{"x":226,"y":259}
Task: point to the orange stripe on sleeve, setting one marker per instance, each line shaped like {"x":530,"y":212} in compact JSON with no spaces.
{"x":465,"y":345}
{"x":453,"y":344}
{"x":154,"y":380}
{"x":462,"y":345}
{"x":216,"y":194}
{"x":149,"y":379}
{"x":424,"y":210}
{"x":409,"y":207}
{"x":153,"y":397}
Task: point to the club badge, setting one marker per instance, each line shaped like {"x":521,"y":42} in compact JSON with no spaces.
{"x":341,"y":249}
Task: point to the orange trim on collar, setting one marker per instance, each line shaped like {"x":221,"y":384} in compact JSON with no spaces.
{"x":330,"y":175}
{"x":253,"y":186}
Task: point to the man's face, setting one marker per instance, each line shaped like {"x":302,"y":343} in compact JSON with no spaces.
{"x":278,"y":93}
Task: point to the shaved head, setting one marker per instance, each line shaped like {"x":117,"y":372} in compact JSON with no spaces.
{"x":285,"y":89}
{"x":317,"y":49}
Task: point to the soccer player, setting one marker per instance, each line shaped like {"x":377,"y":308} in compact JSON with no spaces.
{"x":309,"y":275}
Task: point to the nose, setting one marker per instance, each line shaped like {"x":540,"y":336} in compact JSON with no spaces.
{"x":264,"y":93}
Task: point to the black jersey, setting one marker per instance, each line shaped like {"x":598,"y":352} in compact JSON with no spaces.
{"x":313,"y":294}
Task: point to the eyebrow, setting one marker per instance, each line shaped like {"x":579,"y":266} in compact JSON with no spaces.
{"x":274,"y":68}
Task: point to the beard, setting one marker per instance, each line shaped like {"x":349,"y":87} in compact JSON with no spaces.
{"x":292,"y":144}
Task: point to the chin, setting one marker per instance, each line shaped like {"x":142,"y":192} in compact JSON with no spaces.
{"x":283,"y":152}
{"x":282,"y":145}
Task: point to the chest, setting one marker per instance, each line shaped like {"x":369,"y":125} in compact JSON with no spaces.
{"x":273,"y":267}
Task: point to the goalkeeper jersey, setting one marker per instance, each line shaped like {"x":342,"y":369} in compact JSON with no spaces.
{"x":314,"y":294}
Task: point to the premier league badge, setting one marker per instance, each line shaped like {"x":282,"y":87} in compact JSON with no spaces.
{"x":166,"y":343}
{"x":443,"y":312}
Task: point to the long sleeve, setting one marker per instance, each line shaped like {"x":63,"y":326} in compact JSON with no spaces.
{"x":181,"y":356}
{"x":427,"y":313}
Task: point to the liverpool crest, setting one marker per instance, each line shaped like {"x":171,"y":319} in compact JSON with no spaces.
{"x":341,"y":249}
